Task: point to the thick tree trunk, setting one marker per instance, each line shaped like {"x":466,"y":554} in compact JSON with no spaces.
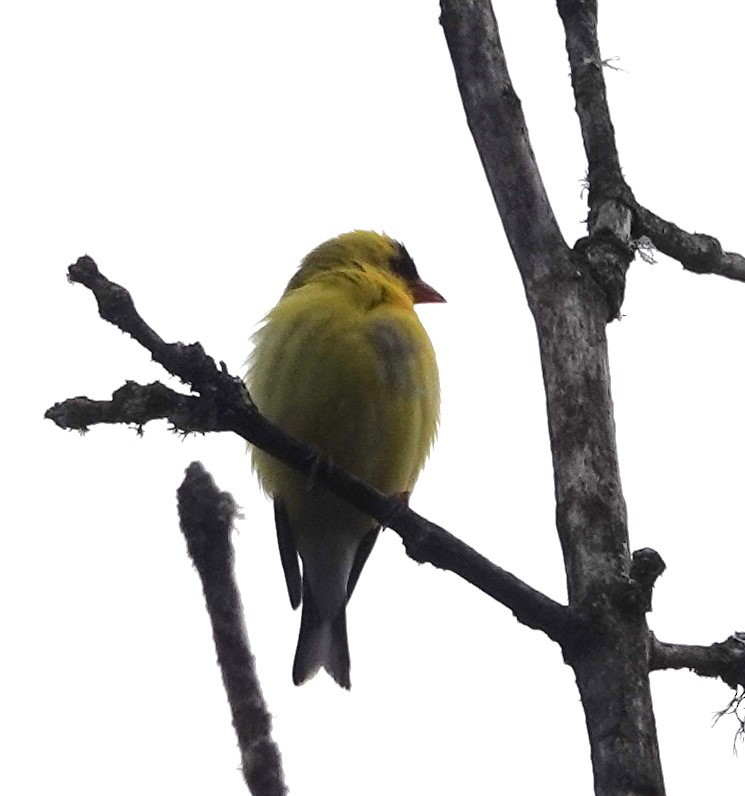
{"x":611,"y":661}
{"x":613,"y":684}
{"x":609,"y":656}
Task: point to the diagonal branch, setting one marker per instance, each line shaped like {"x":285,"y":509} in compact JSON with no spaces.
{"x":696,"y":252}
{"x":497,"y":123}
{"x":224,"y":405}
{"x":725,"y":659}
{"x":188,"y":362}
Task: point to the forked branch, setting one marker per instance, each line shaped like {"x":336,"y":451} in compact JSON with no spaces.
{"x":223,"y":404}
{"x":700,"y":253}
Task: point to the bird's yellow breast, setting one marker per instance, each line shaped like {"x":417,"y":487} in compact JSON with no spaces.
{"x":344,"y":364}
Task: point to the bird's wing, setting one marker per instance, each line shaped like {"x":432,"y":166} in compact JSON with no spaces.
{"x":363,"y":553}
{"x":288,"y":553}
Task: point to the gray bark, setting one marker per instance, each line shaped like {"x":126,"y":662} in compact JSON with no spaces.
{"x":609,"y":655}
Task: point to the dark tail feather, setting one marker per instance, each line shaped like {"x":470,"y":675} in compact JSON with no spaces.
{"x":322,"y":643}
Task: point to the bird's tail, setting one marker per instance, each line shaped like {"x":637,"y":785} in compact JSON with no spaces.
{"x":322,"y":643}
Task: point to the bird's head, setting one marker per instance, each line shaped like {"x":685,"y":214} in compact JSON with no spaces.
{"x":363,"y":249}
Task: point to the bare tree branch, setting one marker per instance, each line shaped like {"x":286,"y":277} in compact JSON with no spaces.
{"x":224,"y":405}
{"x":133,"y":404}
{"x":696,"y":252}
{"x":188,"y":362}
{"x":614,"y":212}
{"x":580,"y":19}
{"x":497,"y":123}
{"x":207,"y":517}
{"x":609,"y":249}
{"x":725,"y":659}
{"x":735,"y":708}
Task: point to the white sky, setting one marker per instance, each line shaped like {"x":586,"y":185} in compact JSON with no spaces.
{"x":197,"y":151}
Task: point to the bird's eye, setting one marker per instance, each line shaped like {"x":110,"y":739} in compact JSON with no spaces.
{"x":403,"y":265}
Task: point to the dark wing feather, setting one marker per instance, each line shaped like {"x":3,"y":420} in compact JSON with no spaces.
{"x":363,"y":552}
{"x":288,"y":553}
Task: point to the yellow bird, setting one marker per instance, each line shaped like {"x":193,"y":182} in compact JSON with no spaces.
{"x":343,"y":363}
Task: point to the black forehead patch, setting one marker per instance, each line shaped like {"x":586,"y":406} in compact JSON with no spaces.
{"x":403,"y":265}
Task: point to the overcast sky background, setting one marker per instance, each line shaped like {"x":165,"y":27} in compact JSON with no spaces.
{"x":197,"y":151}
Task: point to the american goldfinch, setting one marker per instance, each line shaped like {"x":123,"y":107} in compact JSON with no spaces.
{"x":343,"y":363}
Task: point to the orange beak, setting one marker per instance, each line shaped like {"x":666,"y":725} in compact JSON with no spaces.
{"x":423,"y":293}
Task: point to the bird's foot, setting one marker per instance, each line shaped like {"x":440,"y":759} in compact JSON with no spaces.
{"x":317,"y":461}
{"x":398,"y":503}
